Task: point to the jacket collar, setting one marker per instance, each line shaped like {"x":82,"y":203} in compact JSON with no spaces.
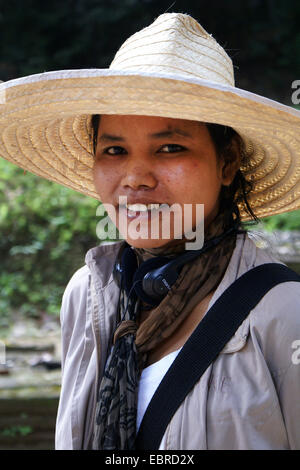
{"x":100,"y":261}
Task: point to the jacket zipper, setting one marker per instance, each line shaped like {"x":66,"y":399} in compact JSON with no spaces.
{"x":96,"y":332}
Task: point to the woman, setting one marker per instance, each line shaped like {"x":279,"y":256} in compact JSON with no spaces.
{"x":165,"y":125}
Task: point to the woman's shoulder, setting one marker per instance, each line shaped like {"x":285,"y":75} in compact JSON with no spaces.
{"x":275,"y":321}
{"x":99,"y":262}
{"x":78,"y":282}
{"x":75,"y":295}
{"x":274,"y":325}
{"x":101,"y":256}
{"x":280,"y":305}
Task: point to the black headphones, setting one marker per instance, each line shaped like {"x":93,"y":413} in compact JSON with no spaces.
{"x":152,"y":280}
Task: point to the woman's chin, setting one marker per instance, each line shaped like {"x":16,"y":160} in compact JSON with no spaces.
{"x":147,"y":243}
{"x":155,"y":243}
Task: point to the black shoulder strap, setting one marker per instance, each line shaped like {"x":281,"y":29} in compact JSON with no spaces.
{"x":205,"y":343}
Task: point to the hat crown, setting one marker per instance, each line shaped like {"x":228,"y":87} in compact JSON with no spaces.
{"x":175,"y":44}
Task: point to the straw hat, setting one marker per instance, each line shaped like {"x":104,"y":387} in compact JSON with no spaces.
{"x":172,"y":68}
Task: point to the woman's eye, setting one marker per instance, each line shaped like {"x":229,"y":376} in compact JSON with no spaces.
{"x":171,"y":148}
{"x":114,"y":150}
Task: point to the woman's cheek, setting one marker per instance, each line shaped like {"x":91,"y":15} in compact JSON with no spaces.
{"x":103,"y":179}
{"x":178,"y":177}
{"x":96,"y":177}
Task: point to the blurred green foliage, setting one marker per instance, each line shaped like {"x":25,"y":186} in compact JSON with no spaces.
{"x":286,"y":221}
{"x":46,"y":230}
{"x":14,"y":431}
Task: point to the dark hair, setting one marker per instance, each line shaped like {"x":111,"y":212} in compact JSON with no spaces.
{"x":223,"y":138}
{"x":95,"y":126}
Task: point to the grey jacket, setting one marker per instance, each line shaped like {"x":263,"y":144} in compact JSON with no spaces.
{"x":249,"y":397}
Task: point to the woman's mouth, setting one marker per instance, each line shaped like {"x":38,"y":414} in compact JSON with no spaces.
{"x":153,"y":220}
{"x":142,"y":210}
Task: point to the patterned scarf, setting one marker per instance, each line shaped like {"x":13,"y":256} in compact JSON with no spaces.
{"x":115,"y":426}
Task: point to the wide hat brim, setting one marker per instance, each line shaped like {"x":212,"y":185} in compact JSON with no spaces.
{"x":45,"y":126}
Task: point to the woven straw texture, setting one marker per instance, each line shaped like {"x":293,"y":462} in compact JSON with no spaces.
{"x":172,"y":68}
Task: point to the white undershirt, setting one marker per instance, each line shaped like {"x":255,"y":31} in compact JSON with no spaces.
{"x":150,"y":379}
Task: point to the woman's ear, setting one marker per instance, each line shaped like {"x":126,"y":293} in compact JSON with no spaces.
{"x":231,"y":165}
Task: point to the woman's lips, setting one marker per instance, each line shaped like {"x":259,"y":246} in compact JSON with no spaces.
{"x":131,"y":214}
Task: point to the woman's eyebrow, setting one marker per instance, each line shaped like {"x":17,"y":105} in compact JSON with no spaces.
{"x":110,"y":137}
{"x":169,"y":133}
{"x":156,"y":135}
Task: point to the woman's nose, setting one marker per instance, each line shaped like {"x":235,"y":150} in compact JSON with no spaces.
{"x":138,"y":173}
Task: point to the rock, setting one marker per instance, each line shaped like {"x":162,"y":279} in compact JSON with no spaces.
{"x":18,"y":347}
{"x":45,"y":360}
{"x":4,"y":369}
{"x":284,"y":245}
{"x":49,"y":365}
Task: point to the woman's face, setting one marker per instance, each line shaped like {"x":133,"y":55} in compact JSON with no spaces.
{"x":161,"y":161}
